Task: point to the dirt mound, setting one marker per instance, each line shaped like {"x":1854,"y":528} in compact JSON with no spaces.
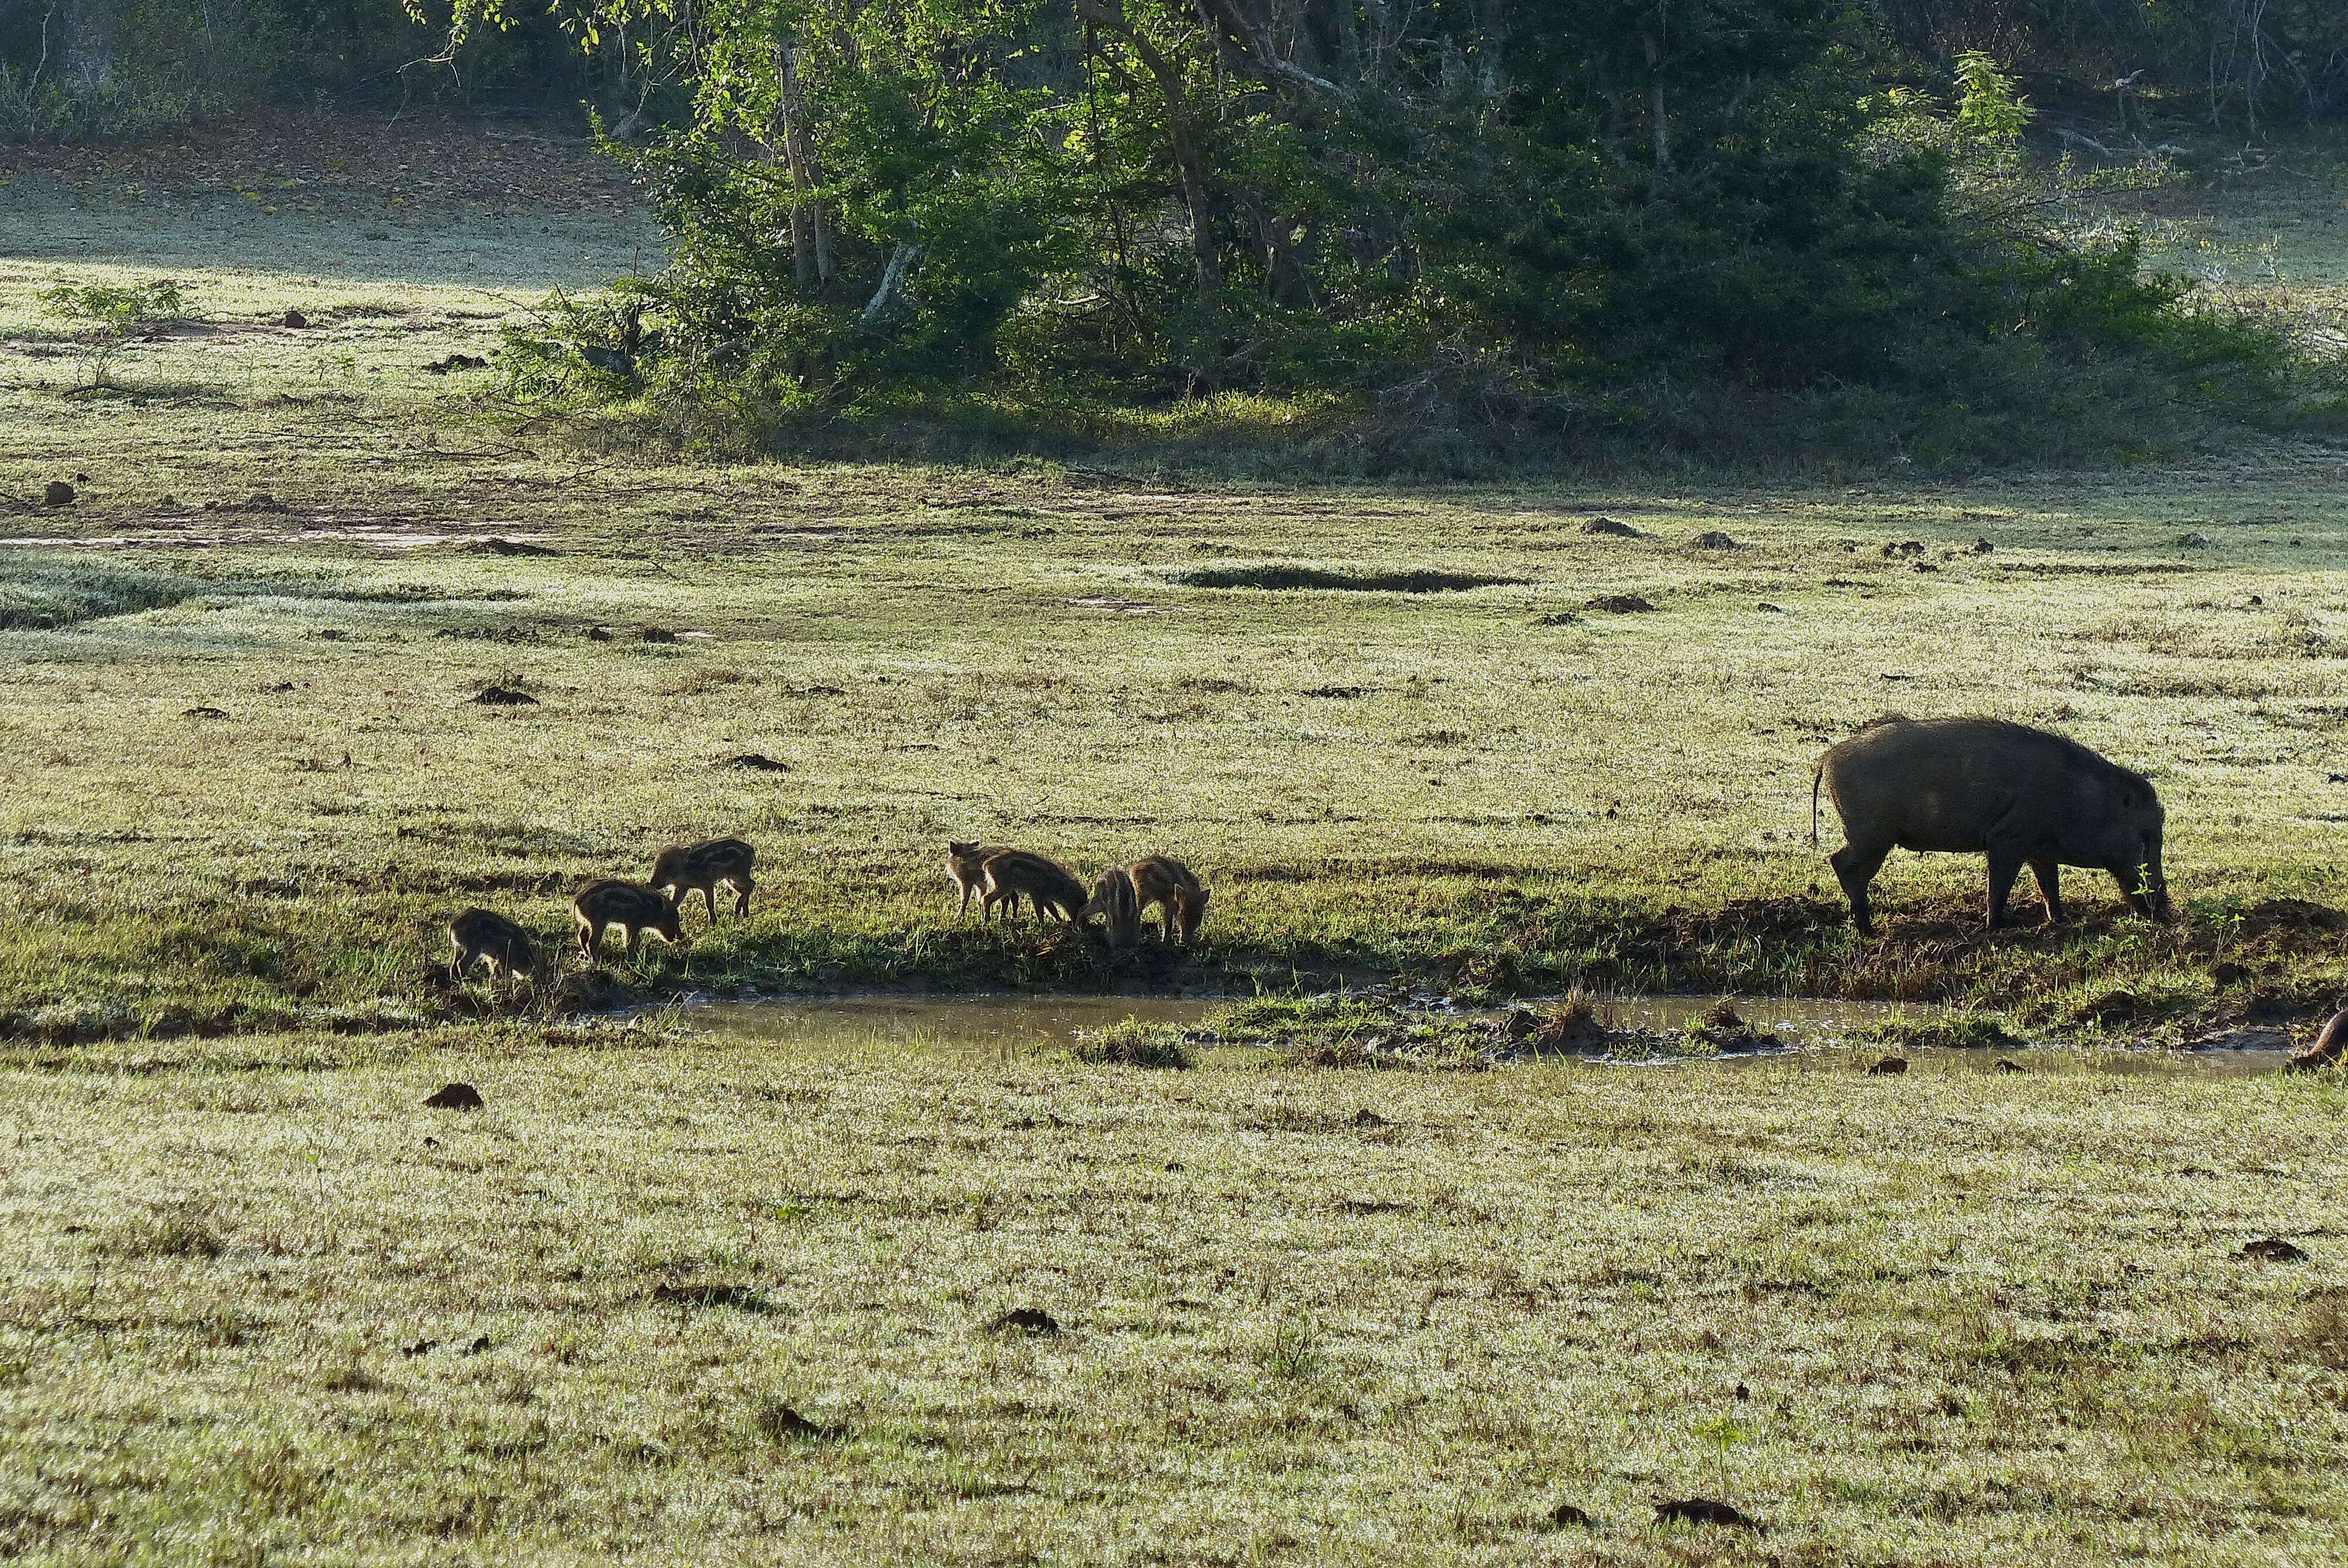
{"x":1619,"y":604}
{"x":2293,"y":914}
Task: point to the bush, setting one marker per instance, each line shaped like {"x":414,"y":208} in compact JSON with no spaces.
{"x":107,"y":314}
{"x":1518,"y":237}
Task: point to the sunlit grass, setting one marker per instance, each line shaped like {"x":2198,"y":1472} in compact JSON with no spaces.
{"x":1951,"y":1317}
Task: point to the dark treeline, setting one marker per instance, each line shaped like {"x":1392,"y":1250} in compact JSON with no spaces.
{"x":81,"y":67}
{"x":72,"y":69}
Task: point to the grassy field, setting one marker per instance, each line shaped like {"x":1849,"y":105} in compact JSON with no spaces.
{"x":673,"y":1298}
{"x":1958,"y":1317}
{"x":246,"y":781}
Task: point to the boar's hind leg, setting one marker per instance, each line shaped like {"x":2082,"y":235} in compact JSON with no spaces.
{"x":1855,"y":867}
{"x":2050,"y":885}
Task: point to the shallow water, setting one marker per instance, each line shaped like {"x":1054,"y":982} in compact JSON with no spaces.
{"x":1816,"y":1030}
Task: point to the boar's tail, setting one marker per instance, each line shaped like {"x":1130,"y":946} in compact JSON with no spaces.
{"x":1816,"y":774}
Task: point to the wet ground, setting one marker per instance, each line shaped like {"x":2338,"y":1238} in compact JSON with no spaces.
{"x":1817,"y":1032}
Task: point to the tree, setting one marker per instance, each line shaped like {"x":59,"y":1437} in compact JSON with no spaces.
{"x":1518,"y":199}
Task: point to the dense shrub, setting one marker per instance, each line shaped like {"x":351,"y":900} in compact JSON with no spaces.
{"x":1518,"y":228}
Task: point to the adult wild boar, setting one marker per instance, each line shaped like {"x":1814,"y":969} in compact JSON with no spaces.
{"x":1980,"y":786}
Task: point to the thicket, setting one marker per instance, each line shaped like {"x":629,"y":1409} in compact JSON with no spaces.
{"x":1453,"y":232}
{"x":79,"y":67}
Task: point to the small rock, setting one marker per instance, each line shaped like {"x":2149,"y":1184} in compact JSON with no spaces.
{"x":1025,"y":1320}
{"x":294,"y":319}
{"x":1612,"y":528}
{"x":757,"y":762}
{"x":1982,"y":547}
{"x":1704,"y":1510}
{"x":1772,"y":608}
{"x":1619,"y":604}
{"x":2193,"y":541}
{"x":204,"y":711}
{"x":504,"y":697}
{"x":2007,"y":1065}
{"x":2271,"y":1249}
{"x":263,"y":501}
{"x":495,"y":546}
{"x":1889,"y":1066}
{"x":1368,"y":1118}
{"x":656,"y":634}
{"x":1713,"y":540}
{"x":59,"y":494}
{"x":1562,"y":618}
{"x":599,"y":634}
{"x":1565,"y":1516}
{"x":455,"y":1097}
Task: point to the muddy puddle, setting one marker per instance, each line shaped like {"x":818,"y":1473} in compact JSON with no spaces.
{"x":1816,"y":1032}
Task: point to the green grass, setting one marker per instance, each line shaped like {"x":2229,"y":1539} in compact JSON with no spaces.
{"x":1950,"y":1317}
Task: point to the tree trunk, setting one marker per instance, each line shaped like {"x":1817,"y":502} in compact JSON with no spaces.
{"x":811,"y":258}
{"x":1660,"y":127}
{"x":1495,"y":67}
{"x":1187,"y":167}
{"x":893,"y":280}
